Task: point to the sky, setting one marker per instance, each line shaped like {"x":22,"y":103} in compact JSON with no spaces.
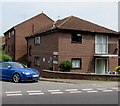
{"x":99,"y":12}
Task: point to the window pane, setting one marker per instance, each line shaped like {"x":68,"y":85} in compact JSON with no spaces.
{"x":37,"y":40}
{"x":73,"y":63}
{"x":37,"y":61}
{"x":76,"y":37}
{"x":101,"y":44}
{"x":76,"y":63}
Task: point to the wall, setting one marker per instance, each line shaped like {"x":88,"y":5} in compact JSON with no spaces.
{"x":61,"y":42}
{"x":48,"y":45}
{"x":11,"y":43}
{"x":79,"y":76}
{"x":113,"y":44}
{"x":26,"y":29}
{"x":68,"y":50}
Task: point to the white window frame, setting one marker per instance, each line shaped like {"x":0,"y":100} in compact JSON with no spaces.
{"x":37,"y":40}
{"x":106,"y":71}
{"x":102,"y":45}
{"x":76,"y":65}
{"x":9,"y":34}
{"x":13,"y":33}
{"x":36,"y":61}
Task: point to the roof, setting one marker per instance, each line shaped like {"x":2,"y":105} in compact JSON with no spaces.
{"x":39,"y":15}
{"x":74,"y":23}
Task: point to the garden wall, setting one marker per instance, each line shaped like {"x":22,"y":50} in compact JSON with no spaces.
{"x":80,"y":76}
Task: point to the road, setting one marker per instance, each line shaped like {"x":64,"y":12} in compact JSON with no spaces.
{"x":46,"y":92}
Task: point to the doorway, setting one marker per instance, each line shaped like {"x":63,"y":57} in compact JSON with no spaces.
{"x":101,"y":66}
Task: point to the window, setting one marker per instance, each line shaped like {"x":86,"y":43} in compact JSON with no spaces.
{"x":5,"y":65}
{"x":101,"y":44}
{"x":37,"y":40}
{"x":76,"y":63}
{"x":12,"y":33}
{"x":29,"y":51}
{"x":76,"y":38}
{"x":37,"y":61}
{"x":9,"y":35}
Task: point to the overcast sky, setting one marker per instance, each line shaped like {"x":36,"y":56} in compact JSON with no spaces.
{"x":101,"y":13}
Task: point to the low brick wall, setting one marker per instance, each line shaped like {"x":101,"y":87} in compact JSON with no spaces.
{"x":80,"y":76}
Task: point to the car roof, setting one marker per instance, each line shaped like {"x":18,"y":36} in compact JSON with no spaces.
{"x":9,"y":62}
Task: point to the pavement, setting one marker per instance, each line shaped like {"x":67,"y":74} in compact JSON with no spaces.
{"x":75,"y":81}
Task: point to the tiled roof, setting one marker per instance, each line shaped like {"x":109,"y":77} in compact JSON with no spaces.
{"x":74,"y":23}
{"x":41,"y":18}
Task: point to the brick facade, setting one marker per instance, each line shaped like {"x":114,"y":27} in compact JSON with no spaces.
{"x":29,"y":27}
{"x":60,"y":42}
{"x":54,"y":44}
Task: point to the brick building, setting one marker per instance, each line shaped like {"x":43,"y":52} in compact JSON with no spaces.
{"x":2,"y":42}
{"x":15,"y":43}
{"x":90,"y":47}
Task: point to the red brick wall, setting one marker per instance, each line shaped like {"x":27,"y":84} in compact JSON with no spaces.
{"x":113,"y":61}
{"x":68,"y":50}
{"x":61,"y":42}
{"x":48,"y":45}
{"x":26,"y":29}
{"x":10,"y":42}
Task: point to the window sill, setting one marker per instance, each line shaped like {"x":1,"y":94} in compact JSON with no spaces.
{"x":76,"y":42}
{"x":76,"y":68}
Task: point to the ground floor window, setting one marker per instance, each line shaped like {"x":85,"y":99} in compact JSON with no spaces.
{"x":76,"y":63}
{"x":37,"y":61}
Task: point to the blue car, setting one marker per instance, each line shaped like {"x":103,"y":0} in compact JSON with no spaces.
{"x":17,"y":72}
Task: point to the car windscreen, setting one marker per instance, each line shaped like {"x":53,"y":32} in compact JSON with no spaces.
{"x":17,"y":65}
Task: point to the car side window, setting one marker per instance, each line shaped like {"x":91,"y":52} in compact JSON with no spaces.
{"x":5,"y":65}
{"x":0,"y":65}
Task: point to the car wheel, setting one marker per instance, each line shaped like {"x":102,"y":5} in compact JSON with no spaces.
{"x":16,"y":78}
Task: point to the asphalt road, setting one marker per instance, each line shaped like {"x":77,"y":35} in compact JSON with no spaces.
{"x":46,"y":92}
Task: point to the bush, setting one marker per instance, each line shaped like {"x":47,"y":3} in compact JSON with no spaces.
{"x":65,"y":66}
{"x":5,"y":58}
{"x":117,"y":69}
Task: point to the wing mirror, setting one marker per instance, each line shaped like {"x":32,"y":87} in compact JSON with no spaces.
{"x":25,"y":66}
{"x":9,"y":67}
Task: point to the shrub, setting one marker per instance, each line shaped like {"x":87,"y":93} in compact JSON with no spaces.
{"x":65,"y":66}
{"x":5,"y":58}
{"x":117,"y":69}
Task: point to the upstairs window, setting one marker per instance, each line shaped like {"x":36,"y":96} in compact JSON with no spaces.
{"x":76,"y":38}
{"x":13,"y":33}
{"x":9,"y":35}
{"x":37,"y":61}
{"x":37,"y":40}
{"x":101,"y":44}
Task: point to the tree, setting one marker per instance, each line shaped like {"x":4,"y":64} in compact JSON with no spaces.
{"x":4,"y":57}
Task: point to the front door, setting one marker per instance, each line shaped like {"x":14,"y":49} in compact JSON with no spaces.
{"x":100,"y":66}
